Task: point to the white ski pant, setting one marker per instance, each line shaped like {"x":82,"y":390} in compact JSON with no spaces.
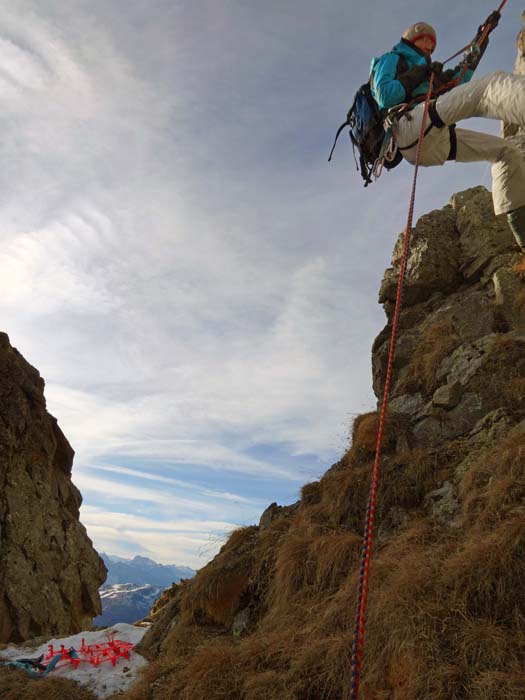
{"x":496,"y":96}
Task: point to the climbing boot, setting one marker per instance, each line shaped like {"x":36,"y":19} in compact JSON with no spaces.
{"x":516,"y":221}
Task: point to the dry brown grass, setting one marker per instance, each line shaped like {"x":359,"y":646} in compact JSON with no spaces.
{"x":364,"y":434}
{"x":519,"y":268}
{"x":213,"y":673}
{"x":483,"y":643}
{"x":495,"y":483}
{"x":271,"y":651}
{"x":335,"y":555}
{"x":406,"y":477}
{"x":497,"y":685}
{"x":268,"y":685}
{"x":294,"y":569}
{"x":514,"y":394}
{"x":163,"y":673}
{"x":446,"y":611}
{"x":484,"y":578}
{"x":17,"y":685}
{"x":215,"y":593}
{"x":437,"y":341}
{"x":321,"y":669}
{"x":410,"y":475}
{"x":223,"y":596}
{"x":345,"y":495}
{"x":311,"y":493}
{"x":268,"y":544}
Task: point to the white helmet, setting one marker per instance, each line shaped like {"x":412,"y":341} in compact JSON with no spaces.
{"x":419,"y":30}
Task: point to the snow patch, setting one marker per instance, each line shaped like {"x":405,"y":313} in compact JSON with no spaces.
{"x":102,"y":680}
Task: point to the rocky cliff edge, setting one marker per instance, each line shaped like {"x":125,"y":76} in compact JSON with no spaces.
{"x":50,"y":573}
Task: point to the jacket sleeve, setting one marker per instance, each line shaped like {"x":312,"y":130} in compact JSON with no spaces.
{"x":386,"y":89}
{"x":468,"y":76}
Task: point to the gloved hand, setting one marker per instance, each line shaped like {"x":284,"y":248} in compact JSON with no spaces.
{"x":436,"y":67}
{"x":445,"y":77}
{"x":413,"y":77}
{"x":475,"y":54}
{"x":493,"y":19}
{"x":491,"y":22}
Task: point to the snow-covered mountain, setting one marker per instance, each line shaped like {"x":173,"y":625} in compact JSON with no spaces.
{"x":143,"y":570}
{"x":133,"y":585}
{"x":126,"y":602}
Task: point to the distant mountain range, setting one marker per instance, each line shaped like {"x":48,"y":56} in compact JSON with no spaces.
{"x":142,"y":570}
{"x":133,"y":585}
{"x":126,"y":602}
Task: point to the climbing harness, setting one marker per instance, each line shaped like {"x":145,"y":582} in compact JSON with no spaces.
{"x":364,"y":572}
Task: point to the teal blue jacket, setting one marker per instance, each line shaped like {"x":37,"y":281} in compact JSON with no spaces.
{"x":386,"y":89}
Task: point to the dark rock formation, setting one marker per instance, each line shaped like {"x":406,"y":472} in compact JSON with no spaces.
{"x":49,"y":571}
{"x":273,"y":512}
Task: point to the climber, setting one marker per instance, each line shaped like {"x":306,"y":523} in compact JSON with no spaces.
{"x":498,"y":95}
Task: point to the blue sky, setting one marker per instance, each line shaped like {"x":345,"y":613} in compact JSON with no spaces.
{"x":195,"y":283}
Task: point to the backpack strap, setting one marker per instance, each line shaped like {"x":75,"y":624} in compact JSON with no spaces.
{"x":336,"y":137}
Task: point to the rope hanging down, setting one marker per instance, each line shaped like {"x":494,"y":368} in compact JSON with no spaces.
{"x":363,"y":585}
{"x":359,"y":631}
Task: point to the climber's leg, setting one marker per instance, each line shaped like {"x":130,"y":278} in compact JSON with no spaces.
{"x":508,"y":166}
{"x":498,"y":95}
{"x":508,"y":174}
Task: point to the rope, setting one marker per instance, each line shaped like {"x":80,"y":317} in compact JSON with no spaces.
{"x":486,"y":31}
{"x":363,"y":585}
{"x":362,"y":589}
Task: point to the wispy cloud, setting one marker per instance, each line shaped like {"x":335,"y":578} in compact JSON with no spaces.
{"x":169,"y":540}
{"x":180,"y":483}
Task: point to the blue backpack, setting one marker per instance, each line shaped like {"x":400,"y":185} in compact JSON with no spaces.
{"x":368,"y":134}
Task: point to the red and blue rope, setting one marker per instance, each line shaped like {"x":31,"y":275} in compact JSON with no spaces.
{"x":363,"y":584}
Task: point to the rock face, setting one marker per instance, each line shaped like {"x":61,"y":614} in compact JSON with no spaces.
{"x":461,"y":350}
{"x":49,"y":571}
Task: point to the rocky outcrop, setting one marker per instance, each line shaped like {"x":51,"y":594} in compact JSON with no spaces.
{"x":461,"y":350}
{"x":49,"y":571}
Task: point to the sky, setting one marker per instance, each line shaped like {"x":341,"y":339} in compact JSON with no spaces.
{"x":196,"y":284}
